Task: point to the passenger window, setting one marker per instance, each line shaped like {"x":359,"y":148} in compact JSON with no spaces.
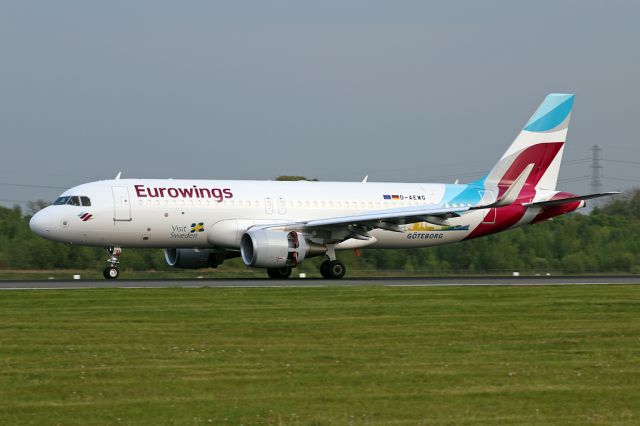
{"x":85,"y":201}
{"x":73,"y":201}
{"x":61,"y":201}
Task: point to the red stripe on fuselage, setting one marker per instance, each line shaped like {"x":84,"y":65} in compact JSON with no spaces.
{"x":553,"y":211}
{"x":506,"y":217}
{"x":541,"y":155}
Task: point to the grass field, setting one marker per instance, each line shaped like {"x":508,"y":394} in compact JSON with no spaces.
{"x":322,"y":356}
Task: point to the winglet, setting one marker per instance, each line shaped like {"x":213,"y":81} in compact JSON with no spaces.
{"x":118,"y":175}
{"x":511,"y":194}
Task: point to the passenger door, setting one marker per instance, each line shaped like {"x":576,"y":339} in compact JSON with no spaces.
{"x":121,"y":204}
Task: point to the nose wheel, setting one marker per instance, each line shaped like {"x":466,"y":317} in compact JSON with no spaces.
{"x":111,"y":272}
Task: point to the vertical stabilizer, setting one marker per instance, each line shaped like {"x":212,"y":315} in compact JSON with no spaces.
{"x":541,"y":143}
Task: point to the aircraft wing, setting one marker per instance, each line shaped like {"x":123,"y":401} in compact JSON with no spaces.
{"x":398,"y":216}
{"x":434,"y":215}
{"x":340,"y":228}
{"x":358,"y":226}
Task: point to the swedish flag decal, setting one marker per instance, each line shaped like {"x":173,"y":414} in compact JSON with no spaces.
{"x":197,"y":227}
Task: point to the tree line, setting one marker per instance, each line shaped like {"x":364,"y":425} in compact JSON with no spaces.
{"x":605,"y":241}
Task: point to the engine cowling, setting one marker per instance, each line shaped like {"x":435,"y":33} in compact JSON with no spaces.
{"x":194,"y":258}
{"x":273,"y":249}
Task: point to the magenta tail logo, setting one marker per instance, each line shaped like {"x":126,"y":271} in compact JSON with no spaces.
{"x":85,"y":216}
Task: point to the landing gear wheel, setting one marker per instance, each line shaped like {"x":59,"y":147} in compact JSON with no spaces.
{"x":335,"y":270}
{"x":111,"y":273}
{"x":279,"y":273}
{"x":324,"y":269}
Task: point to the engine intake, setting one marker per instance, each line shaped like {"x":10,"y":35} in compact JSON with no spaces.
{"x":273,"y":249}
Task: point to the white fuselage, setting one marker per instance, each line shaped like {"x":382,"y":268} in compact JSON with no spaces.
{"x":172,"y":213}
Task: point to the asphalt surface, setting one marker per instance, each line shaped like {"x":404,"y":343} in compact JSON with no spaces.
{"x":267,"y":283}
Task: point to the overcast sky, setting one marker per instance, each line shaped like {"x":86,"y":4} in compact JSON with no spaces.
{"x":401,"y":91}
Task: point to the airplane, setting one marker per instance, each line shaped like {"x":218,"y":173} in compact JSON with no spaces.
{"x":277,"y":225}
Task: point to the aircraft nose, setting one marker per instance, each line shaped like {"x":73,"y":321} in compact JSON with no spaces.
{"x":39,"y":225}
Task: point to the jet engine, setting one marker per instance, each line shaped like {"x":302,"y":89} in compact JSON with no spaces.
{"x":274,"y":249}
{"x":196,"y":258}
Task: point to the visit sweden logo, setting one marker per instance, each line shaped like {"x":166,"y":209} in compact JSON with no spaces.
{"x":197,"y":227}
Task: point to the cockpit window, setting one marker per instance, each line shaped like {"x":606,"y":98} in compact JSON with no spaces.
{"x":73,"y":201}
{"x":60,"y":201}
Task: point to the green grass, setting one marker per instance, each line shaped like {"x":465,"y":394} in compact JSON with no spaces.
{"x":322,"y":356}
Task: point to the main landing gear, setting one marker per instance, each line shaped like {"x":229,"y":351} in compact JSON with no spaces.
{"x":111,"y":272}
{"x":279,"y":273}
{"x":332,"y":268}
{"x":329,"y":269}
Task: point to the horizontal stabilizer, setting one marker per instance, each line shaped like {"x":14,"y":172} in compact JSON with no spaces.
{"x":566,"y":200}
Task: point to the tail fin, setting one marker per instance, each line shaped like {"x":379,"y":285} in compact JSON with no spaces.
{"x":541,"y":143}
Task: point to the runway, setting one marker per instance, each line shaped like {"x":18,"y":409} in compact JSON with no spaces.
{"x":293,"y":283}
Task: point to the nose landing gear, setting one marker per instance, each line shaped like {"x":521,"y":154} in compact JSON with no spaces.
{"x":111,"y":272}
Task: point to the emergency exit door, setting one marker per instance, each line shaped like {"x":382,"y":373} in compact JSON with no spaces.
{"x":282,"y":206}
